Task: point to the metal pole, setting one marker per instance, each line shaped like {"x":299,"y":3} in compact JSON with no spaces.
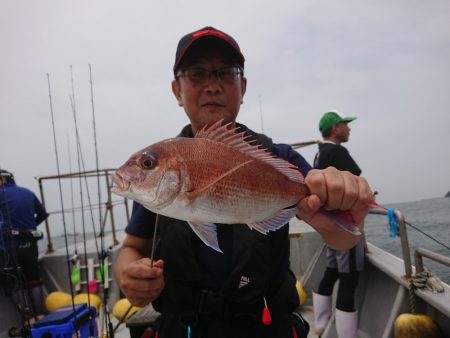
{"x":109,"y":207}
{"x":421,"y":252}
{"x":47,"y":228}
{"x":403,"y":238}
{"x":404,"y":242}
{"x":127,"y":210}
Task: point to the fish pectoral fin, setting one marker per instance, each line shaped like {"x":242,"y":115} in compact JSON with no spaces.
{"x":275,"y":222}
{"x":200,"y":190}
{"x":207,"y":232}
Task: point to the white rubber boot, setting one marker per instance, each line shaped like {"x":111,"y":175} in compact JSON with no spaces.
{"x":322,"y":312}
{"x":346,"y":324}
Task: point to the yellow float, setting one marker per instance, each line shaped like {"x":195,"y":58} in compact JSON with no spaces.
{"x":409,"y":325}
{"x":301,"y":292}
{"x":121,"y":307}
{"x":56,"y":300}
{"x":93,"y":300}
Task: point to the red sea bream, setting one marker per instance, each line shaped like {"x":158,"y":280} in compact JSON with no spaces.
{"x":215,"y":177}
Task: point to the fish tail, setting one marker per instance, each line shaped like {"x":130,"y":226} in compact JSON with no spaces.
{"x":375,"y":205}
{"x":343,"y":219}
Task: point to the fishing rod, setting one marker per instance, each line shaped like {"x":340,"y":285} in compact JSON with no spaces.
{"x":75,"y":277}
{"x":74,"y":115}
{"x":304,"y":144}
{"x":60,"y":191}
{"x":104,"y":268}
{"x":260,"y":114}
{"x":152,"y":258}
{"x":79,"y":208}
{"x":91,"y":284}
{"x":71,"y":195}
{"x":81,"y":166}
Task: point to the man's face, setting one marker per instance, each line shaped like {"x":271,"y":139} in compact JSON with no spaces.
{"x":342,"y":132}
{"x":212,"y":100}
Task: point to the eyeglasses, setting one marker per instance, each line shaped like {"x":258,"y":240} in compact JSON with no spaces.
{"x":197,"y":76}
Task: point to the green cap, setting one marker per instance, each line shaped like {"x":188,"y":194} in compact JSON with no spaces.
{"x":331,"y":118}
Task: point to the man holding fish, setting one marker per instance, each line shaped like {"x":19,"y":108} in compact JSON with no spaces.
{"x":222,"y":196}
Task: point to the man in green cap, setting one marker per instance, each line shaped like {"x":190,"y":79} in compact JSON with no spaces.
{"x":335,"y":130}
{"x":342,"y":265}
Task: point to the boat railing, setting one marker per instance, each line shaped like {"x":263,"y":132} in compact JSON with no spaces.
{"x":419,"y":253}
{"x":403,"y":237}
{"x":108,"y":204}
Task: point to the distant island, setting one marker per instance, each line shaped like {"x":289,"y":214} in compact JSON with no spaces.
{"x":448,"y":194}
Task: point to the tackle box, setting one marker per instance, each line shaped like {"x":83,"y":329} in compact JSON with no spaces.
{"x":67,"y":322}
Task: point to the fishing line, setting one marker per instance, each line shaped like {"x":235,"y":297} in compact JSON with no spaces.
{"x":60,"y":190}
{"x":429,"y":236}
{"x":421,"y":231}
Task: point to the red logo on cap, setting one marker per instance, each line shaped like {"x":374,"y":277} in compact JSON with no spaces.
{"x":210,"y":32}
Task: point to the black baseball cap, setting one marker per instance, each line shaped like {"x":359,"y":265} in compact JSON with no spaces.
{"x":187,"y":41}
{"x":5,"y":173}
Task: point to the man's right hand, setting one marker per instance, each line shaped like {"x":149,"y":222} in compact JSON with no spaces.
{"x":142,"y":283}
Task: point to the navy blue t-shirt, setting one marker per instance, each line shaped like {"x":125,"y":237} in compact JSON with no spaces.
{"x":20,"y":209}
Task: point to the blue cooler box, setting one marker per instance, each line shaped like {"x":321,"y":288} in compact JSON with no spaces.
{"x":65,"y":322}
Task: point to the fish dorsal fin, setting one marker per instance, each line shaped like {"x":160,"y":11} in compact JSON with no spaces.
{"x":239,"y":141}
{"x":275,"y":222}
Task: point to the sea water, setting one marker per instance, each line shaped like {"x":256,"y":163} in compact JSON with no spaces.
{"x":431,"y":216}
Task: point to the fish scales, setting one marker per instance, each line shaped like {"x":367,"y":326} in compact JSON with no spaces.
{"x":252,"y":193}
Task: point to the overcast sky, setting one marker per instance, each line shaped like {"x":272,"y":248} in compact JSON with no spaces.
{"x":385,"y":62}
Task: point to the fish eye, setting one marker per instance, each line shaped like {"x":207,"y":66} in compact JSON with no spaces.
{"x":147,"y":161}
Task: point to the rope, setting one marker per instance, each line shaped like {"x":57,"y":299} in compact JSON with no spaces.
{"x":412,"y":297}
{"x":427,"y":280}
